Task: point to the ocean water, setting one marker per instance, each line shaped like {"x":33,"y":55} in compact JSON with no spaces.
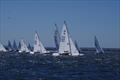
{"x":14,"y":66}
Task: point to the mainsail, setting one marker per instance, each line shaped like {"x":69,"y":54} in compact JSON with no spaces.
{"x":2,"y":48}
{"x":64,"y":46}
{"x":24,"y":47}
{"x":56,"y":37}
{"x":97,"y":46}
{"x":38,"y":46}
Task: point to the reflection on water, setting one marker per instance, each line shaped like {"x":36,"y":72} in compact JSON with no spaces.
{"x":38,"y":67}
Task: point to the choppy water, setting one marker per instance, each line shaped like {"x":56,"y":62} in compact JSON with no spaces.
{"x":37,"y":67}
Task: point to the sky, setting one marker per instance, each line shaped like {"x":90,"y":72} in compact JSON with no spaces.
{"x":19,"y":19}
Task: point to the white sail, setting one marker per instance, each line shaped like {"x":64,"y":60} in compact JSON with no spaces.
{"x":64,"y":46}
{"x":97,"y":46}
{"x":24,"y":47}
{"x":38,"y":46}
{"x":79,"y":50}
{"x":74,"y":50}
{"x":2,"y":48}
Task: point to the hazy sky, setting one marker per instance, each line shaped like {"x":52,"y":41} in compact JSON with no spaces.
{"x":20,"y":18}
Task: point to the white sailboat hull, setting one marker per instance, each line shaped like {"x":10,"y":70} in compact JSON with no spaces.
{"x":55,"y":54}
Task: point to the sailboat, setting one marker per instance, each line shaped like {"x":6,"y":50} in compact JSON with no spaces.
{"x":19,"y":46}
{"x":24,"y":47}
{"x":9,"y":47}
{"x":56,"y":37}
{"x":97,"y":46}
{"x":2,"y":48}
{"x":67,"y":46}
{"x":38,"y":46}
{"x":15,"y":46}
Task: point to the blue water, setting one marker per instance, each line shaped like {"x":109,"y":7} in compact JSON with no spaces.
{"x":38,"y":67}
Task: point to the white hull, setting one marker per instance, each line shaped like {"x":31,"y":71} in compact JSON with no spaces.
{"x":58,"y":54}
